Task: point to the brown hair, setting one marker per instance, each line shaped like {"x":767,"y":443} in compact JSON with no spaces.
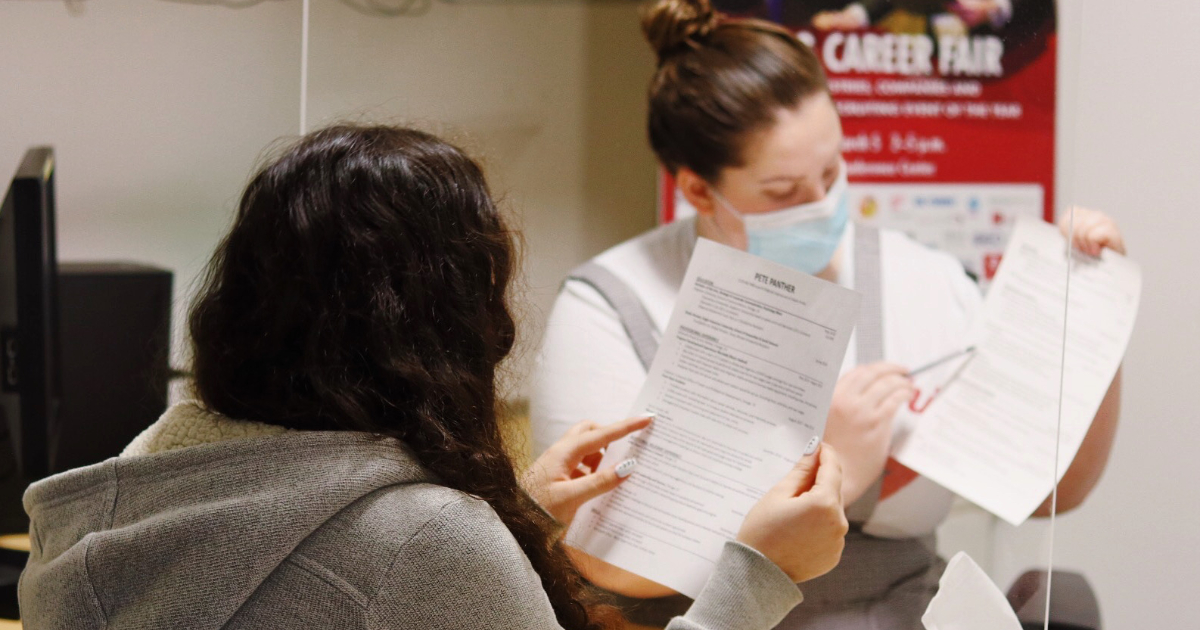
{"x":364,"y":287}
{"x":718,"y":81}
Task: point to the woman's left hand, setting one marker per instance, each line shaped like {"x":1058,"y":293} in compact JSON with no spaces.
{"x":566,"y":475}
{"x":1092,"y":231}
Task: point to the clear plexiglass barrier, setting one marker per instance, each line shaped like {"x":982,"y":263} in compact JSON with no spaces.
{"x":1015,"y":211}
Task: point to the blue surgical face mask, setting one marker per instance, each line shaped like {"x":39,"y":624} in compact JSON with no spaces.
{"x":803,"y":237}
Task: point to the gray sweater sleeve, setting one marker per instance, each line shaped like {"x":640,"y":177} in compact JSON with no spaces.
{"x":464,"y":569}
{"x":746,"y":592}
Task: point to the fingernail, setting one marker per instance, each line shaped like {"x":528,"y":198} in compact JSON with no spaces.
{"x":650,"y":416}
{"x":625,"y":468}
{"x":812,"y":445}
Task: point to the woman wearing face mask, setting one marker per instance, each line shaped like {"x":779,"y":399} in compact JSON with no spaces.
{"x":740,"y":114}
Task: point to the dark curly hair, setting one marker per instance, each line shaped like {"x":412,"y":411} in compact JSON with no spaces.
{"x":363,"y":287}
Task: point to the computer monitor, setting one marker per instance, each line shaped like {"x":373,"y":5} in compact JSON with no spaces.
{"x":29,"y":353}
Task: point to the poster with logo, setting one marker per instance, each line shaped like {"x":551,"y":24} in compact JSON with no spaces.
{"x":947,"y":109}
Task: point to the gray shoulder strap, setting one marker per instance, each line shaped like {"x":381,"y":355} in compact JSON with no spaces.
{"x":632,"y":313}
{"x":868,"y":280}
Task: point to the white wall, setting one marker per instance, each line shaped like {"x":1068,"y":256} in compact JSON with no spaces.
{"x":549,"y":95}
{"x":159,"y":111}
{"x":1136,"y":154}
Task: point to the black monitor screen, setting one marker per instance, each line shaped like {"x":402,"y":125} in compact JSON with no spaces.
{"x":28,"y":312}
{"x":9,"y":402}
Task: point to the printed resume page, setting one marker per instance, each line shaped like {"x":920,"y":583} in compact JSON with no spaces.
{"x":992,"y":436}
{"x":741,"y":383}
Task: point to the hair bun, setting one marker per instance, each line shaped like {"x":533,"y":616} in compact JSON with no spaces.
{"x":671,"y":25}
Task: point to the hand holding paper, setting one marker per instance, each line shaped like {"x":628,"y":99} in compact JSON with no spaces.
{"x":741,"y":384}
{"x":805,"y":504}
{"x":860,"y":421}
{"x":992,"y":436}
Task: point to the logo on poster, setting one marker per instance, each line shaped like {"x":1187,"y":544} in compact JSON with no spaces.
{"x":991,"y":263}
{"x":869,"y":207}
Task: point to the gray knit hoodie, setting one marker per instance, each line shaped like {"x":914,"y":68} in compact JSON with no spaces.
{"x":221,"y":524}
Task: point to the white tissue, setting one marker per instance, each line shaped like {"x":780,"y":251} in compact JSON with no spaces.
{"x":967,"y":599}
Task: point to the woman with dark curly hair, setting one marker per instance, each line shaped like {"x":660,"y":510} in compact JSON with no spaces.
{"x":342,"y":465}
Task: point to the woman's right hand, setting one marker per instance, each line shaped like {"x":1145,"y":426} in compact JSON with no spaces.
{"x":860,"y":421}
{"x":800,"y":524}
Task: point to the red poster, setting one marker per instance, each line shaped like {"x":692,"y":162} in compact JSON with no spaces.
{"x":947,"y":108}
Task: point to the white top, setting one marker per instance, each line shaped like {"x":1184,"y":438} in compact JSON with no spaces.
{"x":588,"y":369}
